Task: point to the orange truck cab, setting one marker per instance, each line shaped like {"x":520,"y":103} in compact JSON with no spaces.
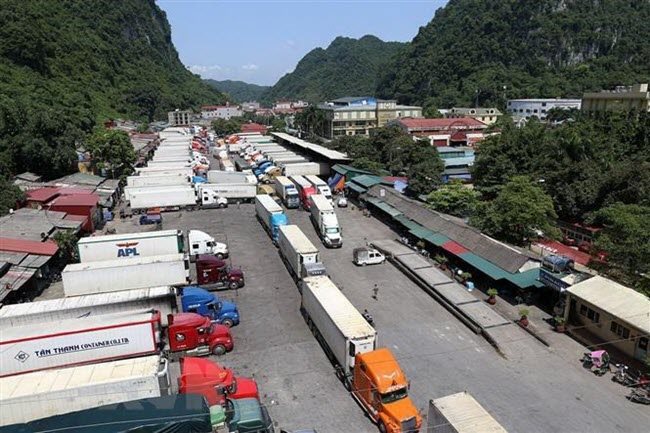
{"x":214,"y":382}
{"x":194,"y":334}
{"x":381,"y":387}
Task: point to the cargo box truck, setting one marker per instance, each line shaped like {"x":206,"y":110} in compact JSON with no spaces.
{"x":321,"y":186}
{"x":140,"y":181}
{"x":325,"y":222}
{"x":220,"y":176}
{"x":305,"y":190}
{"x":153,"y":171}
{"x":149,"y":244}
{"x":460,"y":413}
{"x":304,"y":168}
{"x":172,"y":196}
{"x":26,"y":397}
{"x":373,"y":376}
{"x":296,"y":250}
{"x":287,"y":191}
{"x":116,"y":275}
{"x":210,"y":193}
{"x":280,"y":160}
{"x":271,"y":215}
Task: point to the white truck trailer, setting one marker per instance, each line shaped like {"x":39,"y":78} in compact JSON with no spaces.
{"x":148,"y":244}
{"x":210,"y":193}
{"x":325,"y":222}
{"x":160,"y":196}
{"x":161,"y":299}
{"x":140,"y":181}
{"x":321,"y":186}
{"x":172,"y":158}
{"x":41,"y":394}
{"x":116,"y":275}
{"x":303,"y":168}
{"x":296,"y":250}
{"x":460,"y":413}
{"x":169,"y":164}
{"x":280,"y":160}
{"x":153,"y":171}
{"x":287,"y":191}
{"x":336,"y":322}
{"x":220,"y":176}
{"x":79,"y":341}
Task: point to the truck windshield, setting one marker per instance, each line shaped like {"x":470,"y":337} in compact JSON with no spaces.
{"x":331,"y":230}
{"x":390,"y":397}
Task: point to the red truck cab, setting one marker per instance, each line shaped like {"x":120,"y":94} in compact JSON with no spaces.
{"x":212,"y":271}
{"x":193,"y":333}
{"x":214,"y":382}
{"x":305,"y":195}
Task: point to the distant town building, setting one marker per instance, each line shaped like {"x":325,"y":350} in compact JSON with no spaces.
{"x":358,"y":115}
{"x":210,"y":112}
{"x":622,"y":98}
{"x":464,"y":131}
{"x":289,"y":107}
{"x":179,"y":118}
{"x":527,"y":108}
{"x":458,"y":162}
{"x":254,"y":127}
{"x":250,"y":106}
{"x":485,"y":115}
{"x":264,"y":112}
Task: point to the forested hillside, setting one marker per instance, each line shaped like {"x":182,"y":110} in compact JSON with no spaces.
{"x":348,"y":67}
{"x":239,"y":91}
{"x":64,"y":66}
{"x":535,"y":48}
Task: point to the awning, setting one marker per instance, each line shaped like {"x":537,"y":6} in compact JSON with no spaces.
{"x":420,"y":232}
{"x":436,"y":238}
{"x":355,"y":187}
{"x":407,"y":223}
{"x":454,"y":247}
{"x":525,"y":279}
{"x":385,"y":207}
{"x":488,"y":268}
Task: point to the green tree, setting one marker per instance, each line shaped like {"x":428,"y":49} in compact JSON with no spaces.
{"x":10,"y":195}
{"x":112,"y":150}
{"x":227,"y":127}
{"x":66,"y":240}
{"x":454,"y":198}
{"x":519,"y":211}
{"x":625,"y":238}
{"x":424,"y":168}
{"x":278,"y":124}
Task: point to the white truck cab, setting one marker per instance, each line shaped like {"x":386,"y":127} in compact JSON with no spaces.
{"x":202,"y":243}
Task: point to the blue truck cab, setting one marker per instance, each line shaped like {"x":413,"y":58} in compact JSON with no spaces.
{"x":197,"y":300}
{"x":276,"y":221}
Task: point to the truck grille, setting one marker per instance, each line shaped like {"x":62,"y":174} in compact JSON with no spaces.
{"x":408,"y":426}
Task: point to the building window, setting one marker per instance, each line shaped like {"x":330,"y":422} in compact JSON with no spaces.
{"x":543,"y":104}
{"x":535,"y":110}
{"x":521,"y":110}
{"x":620,"y":330}
{"x":590,"y":314}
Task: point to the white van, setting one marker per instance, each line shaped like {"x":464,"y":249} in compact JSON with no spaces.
{"x":367,"y":256}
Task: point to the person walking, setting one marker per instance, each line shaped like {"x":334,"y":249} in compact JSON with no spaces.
{"x":375,"y":290}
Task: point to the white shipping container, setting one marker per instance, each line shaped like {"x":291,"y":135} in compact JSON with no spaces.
{"x":230,"y":191}
{"x":159,"y":171}
{"x":140,"y":181}
{"x":265,"y":206}
{"x":116,"y":275}
{"x":302,"y":168}
{"x":78,"y":341}
{"x":296,"y":249}
{"x":161,"y":299}
{"x":41,"y":394}
{"x":460,"y":413}
{"x":279,"y":160}
{"x":168,"y":164}
{"x":162,"y":196}
{"x":130,"y":245}
{"x":220,"y":176}
{"x":343,"y":328}
{"x":171,"y":158}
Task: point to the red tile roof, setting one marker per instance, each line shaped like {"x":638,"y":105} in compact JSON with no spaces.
{"x":559,"y":248}
{"x":253,"y":127}
{"x":76,"y":200}
{"x":47,"y":248}
{"x":42,"y":195}
{"x":436,"y":124}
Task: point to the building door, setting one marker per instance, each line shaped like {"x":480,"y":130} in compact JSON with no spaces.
{"x":641,"y":349}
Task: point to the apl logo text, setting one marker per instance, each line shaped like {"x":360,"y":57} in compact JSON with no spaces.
{"x":127,"y":249}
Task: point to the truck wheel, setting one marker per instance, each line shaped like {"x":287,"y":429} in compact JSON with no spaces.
{"x":382,"y":427}
{"x":227,"y":322}
{"x":222,"y":205}
{"x":219,"y":350}
{"x":219,"y":256}
{"x":234,"y":285}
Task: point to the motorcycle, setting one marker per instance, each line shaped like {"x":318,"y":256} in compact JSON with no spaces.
{"x":368,"y":318}
{"x":596,"y":361}
{"x":639,"y":395}
{"x":625,"y":378}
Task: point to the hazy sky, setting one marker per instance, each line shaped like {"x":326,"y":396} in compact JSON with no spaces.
{"x":259,"y":41}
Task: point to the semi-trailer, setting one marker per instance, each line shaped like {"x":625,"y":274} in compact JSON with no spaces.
{"x":157,"y":171}
{"x":107,"y":337}
{"x":321,"y":186}
{"x":305,"y":190}
{"x":324,"y":219}
{"x":298,"y":252}
{"x":220,"y":176}
{"x":170,"y":159}
{"x":373,"y":375}
{"x":305,"y":168}
{"x":220,"y":194}
{"x":283,"y":160}
{"x":271,"y":215}
{"x":460,"y":413}
{"x":115,"y":275}
{"x":142,"y":181}
{"x":287,"y":191}
{"x":163,"y":196}
{"x":149,"y":244}
{"x":40,"y":394}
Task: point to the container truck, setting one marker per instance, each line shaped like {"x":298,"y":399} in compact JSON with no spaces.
{"x":148,"y":244}
{"x":214,"y":194}
{"x":372,"y":375}
{"x":305,"y":190}
{"x":280,"y":160}
{"x":199,"y":301}
{"x":172,"y":196}
{"x":170,"y":159}
{"x":169,"y":164}
{"x":247,"y":415}
{"x":460,"y":413}
{"x":324,"y":219}
{"x":303,"y":168}
{"x":156,"y":171}
{"x":220,"y":176}
{"x":296,"y":250}
{"x":140,"y":181}
{"x":270,"y":215}
{"x":174,"y":413}
{"x":287,"y":191}
{"x":214,"y":382}
{"x":227,"y":165}
{"x":214,"y":273}
{"x":119,"y":274}
{"x":40,"y":394}
{"x":321,"y":186}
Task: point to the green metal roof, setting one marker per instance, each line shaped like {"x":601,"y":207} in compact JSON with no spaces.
{"x":367,"y":180}
{"x":355,"y":187}
{"x":420,"y":232}
{"x":436,"y":238}
{"x":526,"y":279}
{"x":411,"y":225}
{"x":390,"y":210}
{"x":345,"y":169}
{"x":488,"y":268}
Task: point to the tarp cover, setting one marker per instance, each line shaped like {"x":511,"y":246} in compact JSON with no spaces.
{"x":184,"y":413}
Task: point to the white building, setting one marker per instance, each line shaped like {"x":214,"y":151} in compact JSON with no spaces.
{"x":527,"y":108}
{"x":179,"y":118}
{"x":227,"y":111}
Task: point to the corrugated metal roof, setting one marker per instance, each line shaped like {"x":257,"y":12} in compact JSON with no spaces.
{"x":321,"y":150}
{"x":47,"y":248}
{"x":454,"y":247}
{"x":622,"y":302}
{"x":420,"y":232}
{"x":484,"y":266}
{"x":355,"y":187}
{"x":367,"y":180}
{"x":384,"y":207}
{"x":436,"y":238}
{"x":466,"y":415}
{"x":527,"y":278}
{"x":14,"y":279}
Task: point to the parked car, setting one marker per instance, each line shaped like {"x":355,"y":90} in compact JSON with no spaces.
{"x":150,"y":219}
{"x":367,"y":256}
{"x":342,"y":202}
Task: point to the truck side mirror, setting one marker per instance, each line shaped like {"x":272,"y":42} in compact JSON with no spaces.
{"x":220,"y":390}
